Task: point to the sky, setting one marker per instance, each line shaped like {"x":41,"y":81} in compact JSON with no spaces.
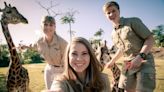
{"x":89,"y":19}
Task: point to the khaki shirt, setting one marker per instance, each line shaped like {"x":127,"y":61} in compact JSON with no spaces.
{"x":129,"y":37}
{"x":66,"y":87}
{"x":53,"y":52}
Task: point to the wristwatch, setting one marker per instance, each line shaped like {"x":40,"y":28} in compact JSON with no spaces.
{"x":142,"y":55}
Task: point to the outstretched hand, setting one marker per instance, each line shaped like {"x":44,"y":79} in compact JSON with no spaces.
{"x":22,"y":47}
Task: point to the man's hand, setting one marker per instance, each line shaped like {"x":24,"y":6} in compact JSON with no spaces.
{"x":136,"y":62}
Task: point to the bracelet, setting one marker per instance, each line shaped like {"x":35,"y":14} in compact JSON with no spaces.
{"x":142,"y":55}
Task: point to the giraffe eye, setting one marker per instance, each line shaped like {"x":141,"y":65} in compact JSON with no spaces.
{"x":8,"y":12}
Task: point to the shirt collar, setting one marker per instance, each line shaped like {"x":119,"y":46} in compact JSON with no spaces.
{"x":122,"y":19}
{"x":87,"y":79}
{"x":54,"y":40}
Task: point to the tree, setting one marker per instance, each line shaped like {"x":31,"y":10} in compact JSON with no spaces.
{"x":31,"y":56}
{"x":49,"y":9}
{"x":97,"y":36}
{"x":69,"y":18}
{"x":99,"y":33}
{"x":158,"y":34}
{"x":4,"y":59}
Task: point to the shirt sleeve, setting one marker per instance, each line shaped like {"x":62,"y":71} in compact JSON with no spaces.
{"x":34,"y":46}
{"x":139,"y":28}
{"x":63,"y":45}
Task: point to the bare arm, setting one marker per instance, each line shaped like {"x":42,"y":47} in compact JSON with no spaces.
{"x":114,"y":58}
{"x":148,"y":44}
{"x":21,"y":46}
{"x":24,"y":47}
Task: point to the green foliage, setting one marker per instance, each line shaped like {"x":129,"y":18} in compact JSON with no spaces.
{"x":97,"y":37}
{"x":31,"y":56}
{"x":99,"y":33}
{"x":4,"y":56}
{"x":3,"y":83}
{"x":158,"y":34}
{"x":69,"y":18}
{"x":27,"y":57}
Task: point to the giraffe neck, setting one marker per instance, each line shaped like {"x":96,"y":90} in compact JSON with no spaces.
{"x":13,"y":53}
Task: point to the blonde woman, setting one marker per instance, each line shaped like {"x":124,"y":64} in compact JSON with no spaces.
{"x":51,"y":47}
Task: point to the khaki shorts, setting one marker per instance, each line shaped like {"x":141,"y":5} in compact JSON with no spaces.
{"x":142,"y":82}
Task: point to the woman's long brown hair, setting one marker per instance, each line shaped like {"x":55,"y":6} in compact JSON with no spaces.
{"x":94,"y":69}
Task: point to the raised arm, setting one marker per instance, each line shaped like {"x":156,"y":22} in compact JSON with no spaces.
{"x":114,"y":58}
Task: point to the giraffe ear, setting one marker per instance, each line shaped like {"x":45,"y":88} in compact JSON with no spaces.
{"x":1,"y":10}
{"x":99,"y":44}
{"x":5,"y":4}
{"x":105,"y":42}
{"x":9,"y":5}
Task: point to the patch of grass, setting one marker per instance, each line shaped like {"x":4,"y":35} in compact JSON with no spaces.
{"x":160,"y":75}
{"x":36,"y":77}
{"x":2,"y":83}
{"x":37,"y":81}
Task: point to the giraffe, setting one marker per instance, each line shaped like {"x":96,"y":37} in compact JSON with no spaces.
{"x":103,"y":57}
{"x":17,"y":77}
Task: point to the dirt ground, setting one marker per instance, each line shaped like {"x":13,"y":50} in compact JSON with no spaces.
{"x":158,"y":52}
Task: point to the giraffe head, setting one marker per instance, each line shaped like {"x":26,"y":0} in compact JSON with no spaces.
{"x":103,"y":54}
{"x":11,"y":15}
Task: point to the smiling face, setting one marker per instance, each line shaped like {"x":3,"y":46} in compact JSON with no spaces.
{"x":112,"y":13}
{"x":48,"y":26}
{"x":79,"y":58}
{"x":49,"y":29}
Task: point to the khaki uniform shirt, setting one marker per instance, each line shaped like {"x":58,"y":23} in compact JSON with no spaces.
{"x":129,"y":37}
{"x":52,"y":53}
{"x":66,"y":87}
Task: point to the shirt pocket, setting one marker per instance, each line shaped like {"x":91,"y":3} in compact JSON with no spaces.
{"x":127,"y":33}
{"x":55,"y":54}
{"x":149,"y":80}
{"x":42,"y":50}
